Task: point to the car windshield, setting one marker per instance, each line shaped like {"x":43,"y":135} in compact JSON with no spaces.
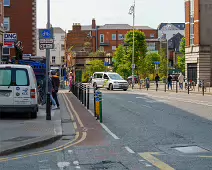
{"x":115,"y":76}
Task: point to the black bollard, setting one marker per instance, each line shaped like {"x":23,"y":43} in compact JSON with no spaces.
{"x":85,"y":95}
{"x":176,"y":86}
{"x":188,"y":86}
{"x":48,"y":107}
{"x":88,"y":95}
{"x":203,"y":88}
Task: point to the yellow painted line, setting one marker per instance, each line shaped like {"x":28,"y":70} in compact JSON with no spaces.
{"x":66,"y":103}
{"x":154,"y":161}
{"x":75,"y":113}
{"x":75,"y":125}
{"x":59,"y":148}
{"x":204,"y":156}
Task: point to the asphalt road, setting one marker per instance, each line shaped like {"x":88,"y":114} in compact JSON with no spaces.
{"x":155,"y":124}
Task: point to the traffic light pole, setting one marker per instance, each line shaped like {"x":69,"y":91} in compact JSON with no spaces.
{"x":48,"y":116}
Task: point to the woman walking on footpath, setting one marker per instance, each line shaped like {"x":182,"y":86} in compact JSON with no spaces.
{"x":70,"y":81}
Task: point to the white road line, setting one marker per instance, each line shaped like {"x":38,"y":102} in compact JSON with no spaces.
{"x":108,"y":131}
{"x":146,"y":106}
{"x":105,"y":127}
{"x":129,"y":150}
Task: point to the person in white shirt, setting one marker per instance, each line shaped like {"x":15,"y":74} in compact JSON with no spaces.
{"x":181,"y":81}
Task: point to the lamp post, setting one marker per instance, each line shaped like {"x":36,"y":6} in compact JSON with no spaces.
{"x":132,"y":12}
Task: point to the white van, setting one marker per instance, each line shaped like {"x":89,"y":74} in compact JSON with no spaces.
{"x":18,"y":89}
{"x":109,"y":80}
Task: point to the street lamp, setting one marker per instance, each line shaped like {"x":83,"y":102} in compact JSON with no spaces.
{"x":132,"y":12}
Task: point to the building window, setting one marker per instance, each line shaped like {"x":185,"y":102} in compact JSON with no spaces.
{"x":62,"y":47}
{"x":6,"y":2}
{"x":62,"y":37}
{"x":101,"y":48}
{"x":101,"y":38}
{"x":53,"y":59}
{"x":7,"y":23}
{"x":113,"y":36}
{"x":113,"y":48}
{"x":152,"y":35}
{"x":5,"y":51}
{"x":121,"y":37}
{"x":62,"y":59}
{"x":151,"y":46}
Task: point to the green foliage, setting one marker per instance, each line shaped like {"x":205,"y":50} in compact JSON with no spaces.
{"x":149,"y":65}
{"x":95,"y":66}
{"x":85,"y":77}
{"x":163,"y":63}
{"x":123,"y":55}
{"x":97,"y":54}
{"x":181,"y":60}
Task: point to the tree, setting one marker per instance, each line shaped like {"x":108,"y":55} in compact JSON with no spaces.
{"x":95,"y":66}
{"x":149,"y":62}
{"x":181,"y":60}
{"x":163,"y":63}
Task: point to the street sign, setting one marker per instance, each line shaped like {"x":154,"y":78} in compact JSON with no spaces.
{"x":46,"y":39}
{"x":9,"y":40}
{"x":157,"y":62}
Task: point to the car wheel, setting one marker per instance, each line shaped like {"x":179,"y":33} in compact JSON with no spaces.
{"x":125,"y":89}
{"x":111,"y":87}
{"x":95,"y":85}
{"x":33,"y":114}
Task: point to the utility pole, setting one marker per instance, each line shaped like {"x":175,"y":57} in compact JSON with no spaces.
{"x":47,"y":52}
{"x":132,"y":11}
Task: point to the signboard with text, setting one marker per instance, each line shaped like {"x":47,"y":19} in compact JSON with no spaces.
{"x":46,"y":39}
{"x":9,"y":40}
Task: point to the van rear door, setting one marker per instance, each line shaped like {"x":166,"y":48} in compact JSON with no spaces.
{"x":6,"y":86}
{"x":22,"y":87}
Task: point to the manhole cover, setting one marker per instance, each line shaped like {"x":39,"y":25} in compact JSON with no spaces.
{"x":21,"y":138}
{"x":191,"y":149}
{"x":66,"y":121}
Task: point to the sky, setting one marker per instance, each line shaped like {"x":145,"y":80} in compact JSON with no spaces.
{"x":147,"y":12}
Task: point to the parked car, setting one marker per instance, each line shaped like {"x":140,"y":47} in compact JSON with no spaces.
{"x":18,"y":89}
{"x":109,"y":80}
{"x":129,"y":79}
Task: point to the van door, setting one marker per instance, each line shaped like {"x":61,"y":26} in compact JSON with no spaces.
{"x":6,"y":86}
{"x":22,"y":87}
{"x":98,"y":78}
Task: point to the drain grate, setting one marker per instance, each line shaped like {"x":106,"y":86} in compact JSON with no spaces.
{"x":190,"y":149}
{"x":20,"y":138}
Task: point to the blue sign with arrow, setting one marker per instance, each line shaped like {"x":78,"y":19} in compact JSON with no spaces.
{"x":157,"y":62}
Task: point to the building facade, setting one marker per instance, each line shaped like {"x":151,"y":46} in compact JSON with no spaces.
{"x":20,"y":18}
{"x":57,"y":55}
{"x":106,"y":37}
{"x":198,"y":40}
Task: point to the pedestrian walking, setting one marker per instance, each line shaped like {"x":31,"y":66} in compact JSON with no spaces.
{"x":70,"y":81}
{"x":181,"y":81}
{"x":169,"y":81}
{"x":55,"y":85}
{"x":157,"y":79}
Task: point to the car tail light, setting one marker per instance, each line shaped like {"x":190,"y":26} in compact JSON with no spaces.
{"x":33,"y":93}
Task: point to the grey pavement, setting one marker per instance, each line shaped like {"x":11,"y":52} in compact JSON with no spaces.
{"x":20,"y":133}
{"x":157,"y":122}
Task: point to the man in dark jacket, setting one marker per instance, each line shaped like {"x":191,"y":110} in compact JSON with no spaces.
{"x":56,"y":85}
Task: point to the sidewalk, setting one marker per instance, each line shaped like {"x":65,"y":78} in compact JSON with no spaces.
{"x":18,"y":134}
{"x":161,"y":87}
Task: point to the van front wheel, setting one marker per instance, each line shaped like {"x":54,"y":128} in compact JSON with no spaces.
{"x":111,"y":87}
{"x":33,"y":114}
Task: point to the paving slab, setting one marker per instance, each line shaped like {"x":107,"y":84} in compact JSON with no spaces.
{"x":18,"y":134}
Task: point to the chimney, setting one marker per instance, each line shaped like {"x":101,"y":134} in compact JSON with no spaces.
{"x":76,"y":27}
{"x":93,"y":23}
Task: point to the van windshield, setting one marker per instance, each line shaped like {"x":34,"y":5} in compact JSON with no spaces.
{"x":115,"y":76}
{"x":5,"y":77}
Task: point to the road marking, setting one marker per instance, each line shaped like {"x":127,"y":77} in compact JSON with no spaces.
{"x":154,"y":161}
{"x":62,"y":165}
{"x":56,"y":149}
{"x":146,"y":106}
{"x":75,"y":125}
{"x":108,"y":131}
{"x":76,"y":162}
{"x":129,"y":150}
{"x":72,"y":117}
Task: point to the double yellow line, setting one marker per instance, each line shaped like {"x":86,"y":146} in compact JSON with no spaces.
{"x":78,"y":137}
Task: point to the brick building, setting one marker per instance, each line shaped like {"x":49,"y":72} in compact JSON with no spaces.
{"x":107,"y":37}
{"x":20,"y":18}
{"x":198,"y":40}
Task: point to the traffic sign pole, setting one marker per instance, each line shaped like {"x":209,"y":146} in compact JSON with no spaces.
{"x":47,"y":59}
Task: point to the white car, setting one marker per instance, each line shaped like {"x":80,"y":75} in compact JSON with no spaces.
{"x":109,"y":80}
{"x":18,"y":89}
